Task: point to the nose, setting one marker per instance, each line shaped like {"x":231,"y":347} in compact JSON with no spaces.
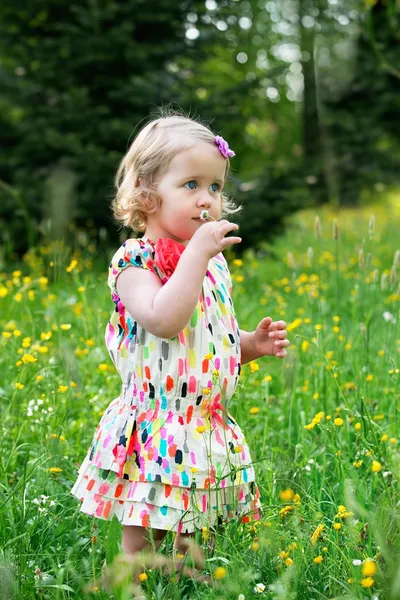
{"x":204,"y":200}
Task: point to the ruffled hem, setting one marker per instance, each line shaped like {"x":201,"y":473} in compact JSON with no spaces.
{"x":162,"y":506}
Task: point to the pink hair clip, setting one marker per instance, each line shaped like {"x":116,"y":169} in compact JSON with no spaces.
{"x":223,"y":147}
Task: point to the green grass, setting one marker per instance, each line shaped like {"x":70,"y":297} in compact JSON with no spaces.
{"x":321,"y":423}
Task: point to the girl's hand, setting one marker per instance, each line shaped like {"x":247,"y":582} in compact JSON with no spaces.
{"x":210,"y":239}
{"x":270,"y":338}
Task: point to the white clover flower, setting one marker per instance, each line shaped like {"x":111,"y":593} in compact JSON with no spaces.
{"x":241,"y":597}
{"x":357,"y":562}
{"x":389,"y":317}
{"x":204,"y":215}
{"x":259,"y":588}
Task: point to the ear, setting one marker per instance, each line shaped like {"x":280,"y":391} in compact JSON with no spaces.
{"x":138,"y":182}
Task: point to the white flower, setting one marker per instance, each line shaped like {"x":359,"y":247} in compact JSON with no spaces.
{"x":259,"y":588}
{"x":388,"y":316}
{"x":241,"y":597}
{"x":357,"y":562}
{"x":204,"y":215}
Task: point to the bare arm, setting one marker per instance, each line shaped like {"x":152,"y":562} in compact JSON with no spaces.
{"x":163,"y":310}
{"x":248,"y":353}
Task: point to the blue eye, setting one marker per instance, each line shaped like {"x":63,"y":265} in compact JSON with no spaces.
{"x":216,"y":185}
{"x":191,"y":181}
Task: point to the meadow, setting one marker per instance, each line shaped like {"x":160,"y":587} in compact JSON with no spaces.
{"x":322,"y":424}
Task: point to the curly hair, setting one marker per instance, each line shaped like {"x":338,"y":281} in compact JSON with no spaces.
{"x":148,"y":158}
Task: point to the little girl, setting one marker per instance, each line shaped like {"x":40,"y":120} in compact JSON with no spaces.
{"x":167,"y":455}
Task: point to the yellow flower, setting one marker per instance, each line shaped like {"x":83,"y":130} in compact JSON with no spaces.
{"x":26,"y":342}
{"x":357,"y":426}
{"x":45,"y":335}
{"x":337,"y":526}
{"x":3,"y":291}
{"x":19,"y":386}
{"x":208,"y":356}
{"x":338,"y":421}
{"x":318,"y":559}
{"x":369,"y":377}
{"x":304,"y":345}
{"x":286,"y":509}
{"x":73,"y":384}
{"x":81,"y":288}
{"x":368,"y":567}
{"x":65,"y":326}
{"x":62,"y":388}
{"x":143,"y":577}
{"x":267,"y":378}
{"x":17,"y":333}
{"x":201,"y":428}
{"x":28,"y":358}
{"x":254,"y":366}
{"x":255,"y":546}
{"x":286,"y":495}
{"x":367,"y":582}
{"x":294,"y":324}
{"x":254,"y":410}
{"x":6,"y":334}
{"x":384,"y":438}
{"x":43,"y":349}
{"x":288,"y":562}
{"x":39,"y":377}
{"x":317,"y":533}
{"x":71,"y":265}
{"x":239,"y":278}
{"x":283,"y":554}
{"x":220,"y":573}
{"x":18,"y":297}
{"x":55,"y":470}
{"x":206,"y":391}
{"x":238,"y":262}
{"x":103,"y":367}
{"x":376,"y":466}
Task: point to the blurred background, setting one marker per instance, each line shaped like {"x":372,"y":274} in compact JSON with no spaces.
{"x":305,"y":91}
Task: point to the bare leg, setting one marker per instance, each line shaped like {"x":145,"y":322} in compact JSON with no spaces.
{"x":136,"y":539}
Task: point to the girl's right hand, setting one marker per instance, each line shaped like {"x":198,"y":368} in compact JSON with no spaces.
{"x":210,"y":238}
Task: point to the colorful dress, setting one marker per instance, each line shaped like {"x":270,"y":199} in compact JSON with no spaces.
{"x":166,"y":453}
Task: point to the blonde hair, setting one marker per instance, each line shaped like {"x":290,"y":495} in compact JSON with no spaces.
{"x":149,"y":157}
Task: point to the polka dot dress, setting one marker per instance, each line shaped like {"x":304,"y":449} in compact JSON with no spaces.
{"x":166,"y":453}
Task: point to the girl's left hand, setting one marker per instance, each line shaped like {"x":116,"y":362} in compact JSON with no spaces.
{"x":270,"y":338}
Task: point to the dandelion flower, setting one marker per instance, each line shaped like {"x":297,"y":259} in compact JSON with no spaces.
{"x":369,"y":567}
{"x":367,"y":582}
{"x":317,"y":533}
{"x":318,"y":559}
{"x":220,"y":573}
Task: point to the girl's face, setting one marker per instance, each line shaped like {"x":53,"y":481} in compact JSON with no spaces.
{"x":193,"y":183}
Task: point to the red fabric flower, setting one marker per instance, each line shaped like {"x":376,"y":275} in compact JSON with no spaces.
{"x":167,"y":255}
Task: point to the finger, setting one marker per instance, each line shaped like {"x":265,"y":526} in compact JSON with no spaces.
{"x":265,"y":322}
{"x":227,"y":226}
{"x":282,"y":343}
{"x":279,"y":333}
{"x":229,"y":241}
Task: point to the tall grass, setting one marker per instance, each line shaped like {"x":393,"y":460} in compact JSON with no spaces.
{"x":321,"y":424}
